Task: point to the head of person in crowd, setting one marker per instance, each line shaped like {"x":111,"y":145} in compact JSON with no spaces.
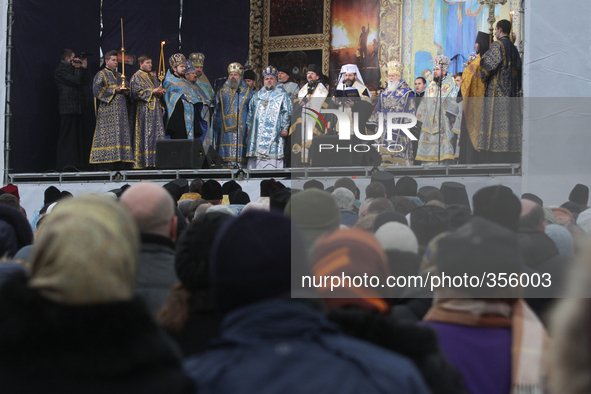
{"x":579,"y":195}
{"x":178,"y":65}
{"x":271,"y":262}
{"x":424,"y":191}
{"x":239,"y":197}
{"x":549,"y":217}
{"x":458,"y":79}
{"x":349,"y":184}
{"x":380,"y":205}
{"x":70,"y":263}
{"x":190,"y":72}
{"x":532,"y":197}
{"x":193,"y":293}
{"x":406,"y":186}
{"x":196,"y":185}
{"x":365,"y":206}
{"x":458,"y":216}
{"x":229,"y":187}
{"x":386,"y":179}
{"x":193,"y":207}
{"x":198,"y":60}
{"x":279,"y":199}
{"x":212,"y":192}
{"x":268,"y":186}
{"x":375,"y":190}
{"x":10,"y":200}
{"x":201,"y":209}
{"x":502,"y":29}
{"x":152,"y":207}
{"x":454,"y":193}
{"x":562,"y":239}
{"x":562,"y":216}
{"x":498,"y":204}
{"x":363,"y":255}
{"x":315,"y":212}
{"x":482,"y":43}
{"x":427,"y":222}
{"x":270,"y":78}
{"x":344,"y":198}
{"x":366,"y":222}
{"x":403,"y":205}
{"x":387,"y":217}
{"x":184,"y":206}
{"x":532,"y":215}
{"x":111,"y":60}
{"x":235,"y":71}
{"x":313,"y":184}
{"x":250,"y":79}
{"x":177,"y":188}
{"x":15,"y":230}
{"x":420,"y":85}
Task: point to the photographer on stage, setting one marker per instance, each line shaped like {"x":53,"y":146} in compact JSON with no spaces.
{"x":71,"y":76}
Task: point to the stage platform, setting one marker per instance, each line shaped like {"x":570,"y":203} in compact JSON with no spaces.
{"x":283,"y":173}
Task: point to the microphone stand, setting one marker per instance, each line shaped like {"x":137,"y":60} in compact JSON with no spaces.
{"x":439,"y":85}
{"x":236,"y":165}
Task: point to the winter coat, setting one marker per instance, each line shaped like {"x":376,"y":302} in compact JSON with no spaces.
{"x":284,"y":346}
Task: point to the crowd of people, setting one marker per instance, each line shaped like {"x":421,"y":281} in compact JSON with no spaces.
{"x":471,"y":117}
{"x":199,"y":287}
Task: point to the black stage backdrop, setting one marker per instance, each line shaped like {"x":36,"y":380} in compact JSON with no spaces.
{"x":42,"y":28}
{"x":220,"y":30}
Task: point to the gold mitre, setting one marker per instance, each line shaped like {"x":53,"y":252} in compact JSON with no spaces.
{"x":197,"y":58}
{"x":235,"y":68}
{"x":394,"y":67}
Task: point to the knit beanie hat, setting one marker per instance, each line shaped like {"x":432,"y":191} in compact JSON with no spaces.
{"x":257,"y":256}
{"x":386,"y":217}
{"x":315,"y":212}
{"x":397,"y":236}
{"x":212,"y":190}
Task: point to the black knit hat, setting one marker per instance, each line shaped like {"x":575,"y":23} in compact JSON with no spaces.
{"x":579,"y":194}
{"x":386,"y":179}
{"x":406,"y":186}
{"x":477,"y":247}
{"x":15,"y":231}
{"x":230,"y":187}
{"x":498,"y":204}
{"x":257,"y":256}
{"x":193,"y":250}
{"x":428,"y":221}
{"x":212,"y":190}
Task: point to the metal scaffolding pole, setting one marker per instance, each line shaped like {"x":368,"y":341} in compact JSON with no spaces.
{"x":7,"y":109}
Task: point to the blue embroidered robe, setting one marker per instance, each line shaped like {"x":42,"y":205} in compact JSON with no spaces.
{"x":400,"y":100}
{"x":179,"y":89}
{"x":148,"y":124}
{"x":231,"y":111}
{"x":112,"y":140}
{"x":269,"y":113}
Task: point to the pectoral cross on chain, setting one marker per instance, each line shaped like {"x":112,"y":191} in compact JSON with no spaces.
{"x":491,"y":12}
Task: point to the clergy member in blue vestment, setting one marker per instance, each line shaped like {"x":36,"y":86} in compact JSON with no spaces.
{"x":148,"y":123}
{"x":181,"y":98}
{"x":398,"y":97}
{"x":268,"y":122}
{"x":499,"y":139}
{"x":112,"y":140}
{"x":283,"y":78}
{"x":438,"y":145}
{"x":231,"y":110}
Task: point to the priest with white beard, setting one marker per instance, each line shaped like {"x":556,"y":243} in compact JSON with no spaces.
{"x":397,"y":97}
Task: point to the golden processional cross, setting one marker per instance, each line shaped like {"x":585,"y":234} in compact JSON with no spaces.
{"x":491,"y":12}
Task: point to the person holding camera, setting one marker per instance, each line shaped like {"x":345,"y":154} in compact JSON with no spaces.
{"x":71,"y":76}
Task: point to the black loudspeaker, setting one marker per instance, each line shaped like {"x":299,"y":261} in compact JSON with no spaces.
{"x":179,"y":154}
{"x":329,"y":151}
{"x":213,"y":160}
